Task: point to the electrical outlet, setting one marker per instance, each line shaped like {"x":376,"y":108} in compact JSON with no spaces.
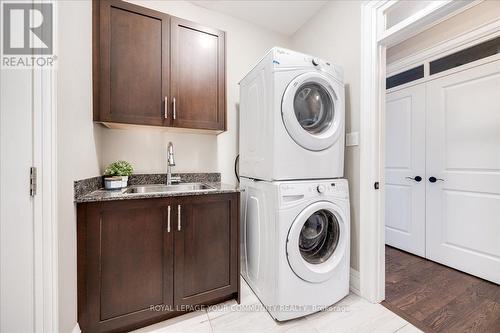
{"x":352,"y":139}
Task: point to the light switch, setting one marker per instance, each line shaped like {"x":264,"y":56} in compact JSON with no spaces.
{"x":352,"y":139}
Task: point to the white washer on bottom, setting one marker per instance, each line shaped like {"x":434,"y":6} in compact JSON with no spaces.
{"x":295,"y":244}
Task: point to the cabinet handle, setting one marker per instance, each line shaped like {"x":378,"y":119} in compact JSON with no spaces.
{"x":168,"y":219}
{"x":166,"y":107}
{"x":179,"y":217}
{"x":173,"y":105}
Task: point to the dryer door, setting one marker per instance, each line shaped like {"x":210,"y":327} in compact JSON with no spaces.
{"x":311,"y":111}
{"x":317,"y":241}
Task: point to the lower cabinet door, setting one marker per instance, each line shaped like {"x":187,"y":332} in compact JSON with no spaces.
{"x":125,"y":268}
{"x":206,"y":249}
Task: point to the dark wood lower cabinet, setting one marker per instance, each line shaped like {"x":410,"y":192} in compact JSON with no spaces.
{"x":144,"y":261}
{"x":205,"y":255}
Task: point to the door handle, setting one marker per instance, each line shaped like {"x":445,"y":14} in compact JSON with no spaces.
{"x":168,"y":219}
{"x":416,"y":178}
{"x":178,"y":217}
{"x":434,"y":179}
{"x":166,"y":107}
{"x":173,"y":107}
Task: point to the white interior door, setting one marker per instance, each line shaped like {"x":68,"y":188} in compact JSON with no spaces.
{"x":17,"y":266}
{"x":405,"y":170}
{"x":463,"y":154}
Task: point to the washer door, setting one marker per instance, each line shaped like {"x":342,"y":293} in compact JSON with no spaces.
{"x":317,"y":241}
{"x":311,"y":111}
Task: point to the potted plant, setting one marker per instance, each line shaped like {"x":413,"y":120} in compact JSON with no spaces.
{"x":116,"y":175}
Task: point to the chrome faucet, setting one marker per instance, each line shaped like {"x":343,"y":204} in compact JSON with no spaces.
{"x":170,"y":164}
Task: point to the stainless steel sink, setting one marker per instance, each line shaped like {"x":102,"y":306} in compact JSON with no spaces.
{"x":162,"y":188}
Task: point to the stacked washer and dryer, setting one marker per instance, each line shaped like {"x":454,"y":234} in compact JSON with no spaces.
{"x":294,"y":204}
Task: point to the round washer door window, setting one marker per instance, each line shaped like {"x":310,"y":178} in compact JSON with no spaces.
{"x":311,"y":111}
{"x":316,"y":241}
{"x":319,"y":237}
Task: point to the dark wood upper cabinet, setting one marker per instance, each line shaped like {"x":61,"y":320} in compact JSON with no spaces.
{"x":134,"y":64}
{"x":150,"y":68}
{"x":198,"y":84}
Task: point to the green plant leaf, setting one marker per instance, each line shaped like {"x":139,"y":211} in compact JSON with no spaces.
{"x":119,"y":168}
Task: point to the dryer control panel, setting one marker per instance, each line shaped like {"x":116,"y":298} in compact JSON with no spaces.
{"x":283,"y":58}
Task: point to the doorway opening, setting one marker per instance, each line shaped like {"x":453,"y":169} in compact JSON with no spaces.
{"x":441,"y":164}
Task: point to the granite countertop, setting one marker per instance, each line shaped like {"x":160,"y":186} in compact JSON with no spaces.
{"x":91,"y":189}
{"x":105,"y":195}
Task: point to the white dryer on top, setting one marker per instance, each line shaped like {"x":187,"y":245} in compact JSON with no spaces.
{"x":292,"y":118}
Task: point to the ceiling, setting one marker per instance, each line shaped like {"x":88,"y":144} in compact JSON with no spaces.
{"x":284,"y":17}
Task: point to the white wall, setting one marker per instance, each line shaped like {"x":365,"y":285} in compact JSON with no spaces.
{"x":334,"y":34}
{"x":86,"y":148}
{"x":146,"y":148}
{"x":471,"y":18}
{"x":77,"y":139}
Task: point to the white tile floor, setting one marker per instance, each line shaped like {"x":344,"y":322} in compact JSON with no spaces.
{"x":352,"y":314}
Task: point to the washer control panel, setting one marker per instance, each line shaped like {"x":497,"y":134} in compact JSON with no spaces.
{"x":291,"y":192}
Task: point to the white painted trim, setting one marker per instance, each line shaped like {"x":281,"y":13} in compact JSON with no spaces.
{"x":425,"y":18}
{"x":450,"y":71}
{"x":386,"y":35}
{"x":76,"y":329}
{"x":354,"y":281}
{"x":371,"y":258}
{"x":372,"y":130}
{"x":45,"y":217}
{"x":45,"y":202}
{"x":462,"y":41}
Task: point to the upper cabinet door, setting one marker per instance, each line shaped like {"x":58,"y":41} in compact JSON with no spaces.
{"x":133,"y":55}
{"x":198,"y":76}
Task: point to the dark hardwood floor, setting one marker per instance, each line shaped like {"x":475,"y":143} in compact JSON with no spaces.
{"x":436,"y":298}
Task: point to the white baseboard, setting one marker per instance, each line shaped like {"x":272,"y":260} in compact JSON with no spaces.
{"x":354,"y":282}
{"x":76,"y":329}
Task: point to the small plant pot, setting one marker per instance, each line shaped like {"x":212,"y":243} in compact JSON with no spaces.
{"x":124,"y":181}
{"x":114,"y":183}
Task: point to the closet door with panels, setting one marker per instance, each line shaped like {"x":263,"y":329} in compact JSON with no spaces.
{"x":463,"y":171}
{"x":405,"y":169}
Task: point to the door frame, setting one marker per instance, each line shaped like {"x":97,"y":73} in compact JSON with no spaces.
{"x":45,"y":201}
{"x":45,"y":221}
{"x":375,"y":39}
